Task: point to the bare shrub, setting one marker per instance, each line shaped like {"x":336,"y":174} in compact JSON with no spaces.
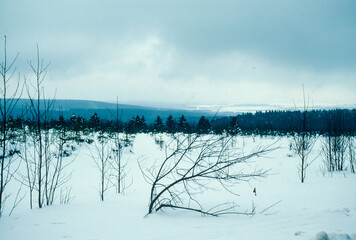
{"x":8,"y":101}
{"x":335,"y":143}
{"x":191,"y":163}
{"x":303,"y":141}
{"x":352,"y":154}
{"x":101,"y":154}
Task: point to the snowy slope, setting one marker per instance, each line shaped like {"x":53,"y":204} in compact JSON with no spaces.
{"x":324,"y":202}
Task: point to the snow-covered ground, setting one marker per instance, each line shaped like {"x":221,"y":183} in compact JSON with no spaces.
{"x":325,"y":205}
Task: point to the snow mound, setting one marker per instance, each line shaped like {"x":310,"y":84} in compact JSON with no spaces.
{"x":324,"y":236}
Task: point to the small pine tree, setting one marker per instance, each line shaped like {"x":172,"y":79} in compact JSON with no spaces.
{"x":140,"y":124}
{"x":233,"y":128}
{"x":130,"y":126}
{"x":171,"y":125}
{"x":183,"y":125}
{"x":158,"y":126}
{"x":94,"y":122}
{"x":203,"y":126}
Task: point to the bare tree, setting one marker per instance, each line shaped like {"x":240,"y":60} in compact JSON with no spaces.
{"x":41,"y":109}
{"x":65,"y":196}
{"x":335,"y":143}
{"x":334,"y":150}
{"x":303,"y":142}
{"x":190,"y":165}
{"x":118,"y":165}
{"x":60,"y":148}
{"x":60,"y":152}
{"x":352,"y":153}
{"x":28,"y":154}
{"x":101,"y":154}
{"x":7,"y":104}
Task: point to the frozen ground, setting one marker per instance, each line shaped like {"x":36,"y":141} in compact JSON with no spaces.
{"x":324,"y":204}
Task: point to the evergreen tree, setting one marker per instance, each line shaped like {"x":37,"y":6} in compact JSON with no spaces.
{"x":61,"y":122}
{"x":183,"y":125}
{"x":143,"y":124}
{"x":94,"y":122}
{"x":72,"y":121}
{"x":81,"y":123}
{"x":203,"y":126}
{"x":171,"y":125}
{"x":138,"y":121}
{"x":130,"y":126}
{"x":233,"y":128}
{"x":140,"y":124}
{"x":158,"y":125}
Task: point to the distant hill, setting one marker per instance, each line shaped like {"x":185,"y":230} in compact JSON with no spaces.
{"x":107,"y":110}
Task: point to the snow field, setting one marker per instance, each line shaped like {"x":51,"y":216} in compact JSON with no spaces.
{"x":325,"y":202}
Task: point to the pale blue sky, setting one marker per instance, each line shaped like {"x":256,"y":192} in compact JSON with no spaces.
{"x":189,"y":52}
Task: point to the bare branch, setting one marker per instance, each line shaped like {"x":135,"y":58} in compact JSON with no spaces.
{"x":190,"y":166}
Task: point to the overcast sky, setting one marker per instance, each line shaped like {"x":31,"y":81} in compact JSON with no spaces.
{"x":189,"y":52}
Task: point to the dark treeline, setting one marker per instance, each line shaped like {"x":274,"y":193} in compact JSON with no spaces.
{"x":332,"y":122}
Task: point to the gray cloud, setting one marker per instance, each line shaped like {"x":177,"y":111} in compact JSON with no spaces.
{"x":273,"y":42}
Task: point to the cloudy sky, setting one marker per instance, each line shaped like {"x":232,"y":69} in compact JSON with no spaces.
{"x":189,"y":52}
